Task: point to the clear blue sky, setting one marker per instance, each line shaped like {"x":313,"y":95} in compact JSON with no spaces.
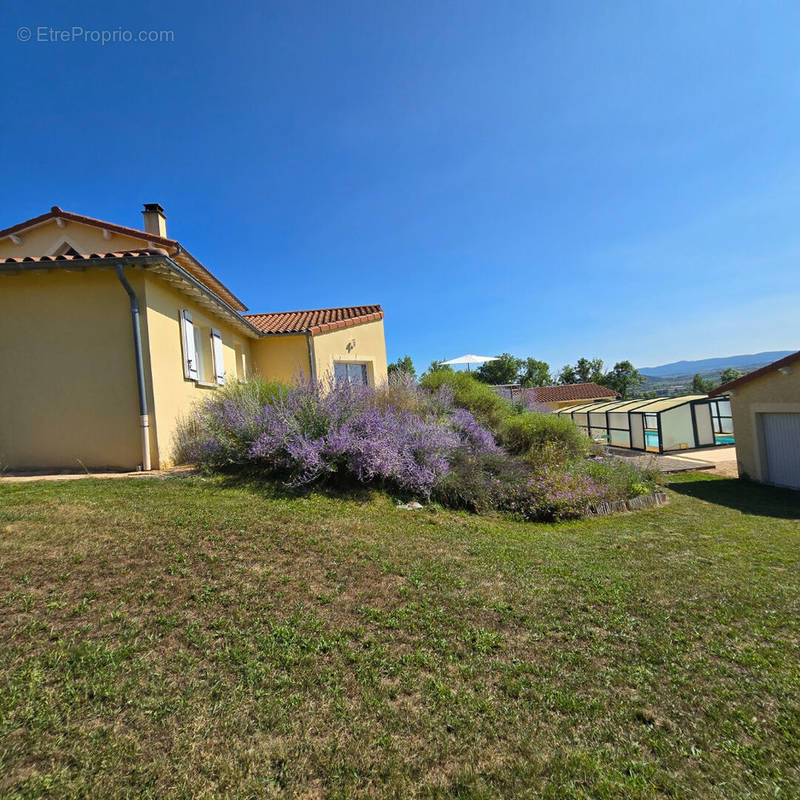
{"x":553,"y":179}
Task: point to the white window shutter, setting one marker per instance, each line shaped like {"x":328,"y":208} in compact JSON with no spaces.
{"x":189,"y":351}
{"x":219,"y":360}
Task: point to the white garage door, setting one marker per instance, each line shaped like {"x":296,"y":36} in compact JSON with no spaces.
{"x":782,"y":448}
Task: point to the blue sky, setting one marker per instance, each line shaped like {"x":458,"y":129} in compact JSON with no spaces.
{"x":558,"y":180}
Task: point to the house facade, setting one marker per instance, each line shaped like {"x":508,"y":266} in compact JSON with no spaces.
{"x":765,"y":405}
{"x":110,"y":335}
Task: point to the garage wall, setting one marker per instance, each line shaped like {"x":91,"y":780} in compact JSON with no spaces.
{"x":771,"y":393}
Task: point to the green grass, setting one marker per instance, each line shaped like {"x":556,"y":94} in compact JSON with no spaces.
{"x":207,"y":638}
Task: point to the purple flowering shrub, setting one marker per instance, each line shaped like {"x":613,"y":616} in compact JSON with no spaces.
{"x":306,"y":433}
{"x":554,"y":495}
{"x":416,"y":440}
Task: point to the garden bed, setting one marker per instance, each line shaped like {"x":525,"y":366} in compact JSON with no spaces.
{"x":450,"y":439}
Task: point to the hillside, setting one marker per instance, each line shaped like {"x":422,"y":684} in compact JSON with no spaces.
{"x":676,"y":378}
{"x":745,"y":363}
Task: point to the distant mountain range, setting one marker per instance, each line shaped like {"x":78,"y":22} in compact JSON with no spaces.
{"x":744,"y":363}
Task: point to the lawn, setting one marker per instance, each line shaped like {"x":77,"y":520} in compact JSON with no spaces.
{"x":197,"y":637}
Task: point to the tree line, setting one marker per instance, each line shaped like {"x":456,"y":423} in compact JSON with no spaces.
{"x":701,"y":385}
{"x":622,"y":378}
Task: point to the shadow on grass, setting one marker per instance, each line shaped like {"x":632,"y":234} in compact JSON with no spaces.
{"x":742,"y":495}
{"x":275,"y":489}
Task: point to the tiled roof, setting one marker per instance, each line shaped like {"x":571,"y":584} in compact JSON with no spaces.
{"x":163,"y":264}
{"x":570,"y":391}
{"x":55,"y":212}
{"x":179,"y":253}
{"x":756,"y":373}
{"x":82,"y":257}
{"x":319,"y":320}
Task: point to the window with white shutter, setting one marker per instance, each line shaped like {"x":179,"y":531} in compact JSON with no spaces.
{"x":189,"y":349}
{"x":219,"y":361}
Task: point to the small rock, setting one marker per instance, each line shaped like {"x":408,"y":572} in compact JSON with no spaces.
{"x":412,"y":506}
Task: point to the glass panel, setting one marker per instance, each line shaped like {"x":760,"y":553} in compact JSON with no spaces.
{"x":357,"y":374}
{"x":350,"y":373}
{"x":340,"y":373}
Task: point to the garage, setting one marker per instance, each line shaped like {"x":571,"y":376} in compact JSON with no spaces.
{"x":765,"y":406}
{"x":781,"y":434}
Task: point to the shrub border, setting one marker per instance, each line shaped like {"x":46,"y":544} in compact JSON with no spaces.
{"x":653,"y":500}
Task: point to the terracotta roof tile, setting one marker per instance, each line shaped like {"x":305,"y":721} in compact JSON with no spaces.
{"x":570,"y":391}
{"x":318,"y":320}
{"x":81,"y":257}
{"x":756,"y":373}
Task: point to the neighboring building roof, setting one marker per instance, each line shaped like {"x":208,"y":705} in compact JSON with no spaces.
{"x":653,"y":405}
{"x":757,"y":373}
{"x":319,"y":320}
{"x":569,"y":391}
{"x":180,"y":254}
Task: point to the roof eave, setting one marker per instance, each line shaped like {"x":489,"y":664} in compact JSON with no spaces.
{"x":144,"y":261}
{"x":124,"y":230}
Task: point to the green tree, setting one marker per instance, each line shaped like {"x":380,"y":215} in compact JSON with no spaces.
{"x":402,"y":365}
{"x":568,"y":375}
{"x":504,"y":369}
{"x":589,"y":370}
{"x":729,"y":374}
{"x":535,"y":373}
{"x":624,"y":379}
{"x":437,"y":366}
{"x":701,"y":385}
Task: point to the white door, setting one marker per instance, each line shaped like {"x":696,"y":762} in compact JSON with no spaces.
{"x":782,"y":448}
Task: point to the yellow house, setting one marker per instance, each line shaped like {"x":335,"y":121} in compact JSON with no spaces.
{"x":110,"y":334}
{"x":765,"y":405}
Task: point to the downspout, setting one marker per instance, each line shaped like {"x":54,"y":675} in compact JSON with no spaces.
{"x":144,"y":417}
{"x":311,"y":360}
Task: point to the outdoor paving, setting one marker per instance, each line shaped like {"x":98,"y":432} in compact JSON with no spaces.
{"x":28,"y":477}
{"x":712,"y":459}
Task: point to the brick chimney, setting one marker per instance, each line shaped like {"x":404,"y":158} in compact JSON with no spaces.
{"x":155,"y":221}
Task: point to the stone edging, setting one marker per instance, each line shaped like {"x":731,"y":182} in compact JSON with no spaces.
{"x":634,"y":504}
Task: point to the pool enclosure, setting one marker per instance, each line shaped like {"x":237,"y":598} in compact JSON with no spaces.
{"x":657,"y":426}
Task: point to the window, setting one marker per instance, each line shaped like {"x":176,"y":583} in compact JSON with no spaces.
{"x":345,"y":372}
{"x":199,"y":354}
{"x":219,"y":358}
{"x":241,"y":362}
{"x":651,"y":421}
{"x":190,"y":370}
{"x":203,"y":359}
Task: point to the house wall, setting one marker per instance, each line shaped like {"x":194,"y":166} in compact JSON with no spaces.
{"x":770,"y":393}
{"x":69,"y":396}
{"x":363,"y":343}
{"x":44,"y":239}
{"x":174,"y":396}
{"x":281,"y":358}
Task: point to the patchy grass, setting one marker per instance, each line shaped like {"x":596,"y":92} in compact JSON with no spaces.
{"x":202,"y":638}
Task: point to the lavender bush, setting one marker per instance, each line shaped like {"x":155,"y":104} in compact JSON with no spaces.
{"x":422,"y":441}
{"x":306,"y":433}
